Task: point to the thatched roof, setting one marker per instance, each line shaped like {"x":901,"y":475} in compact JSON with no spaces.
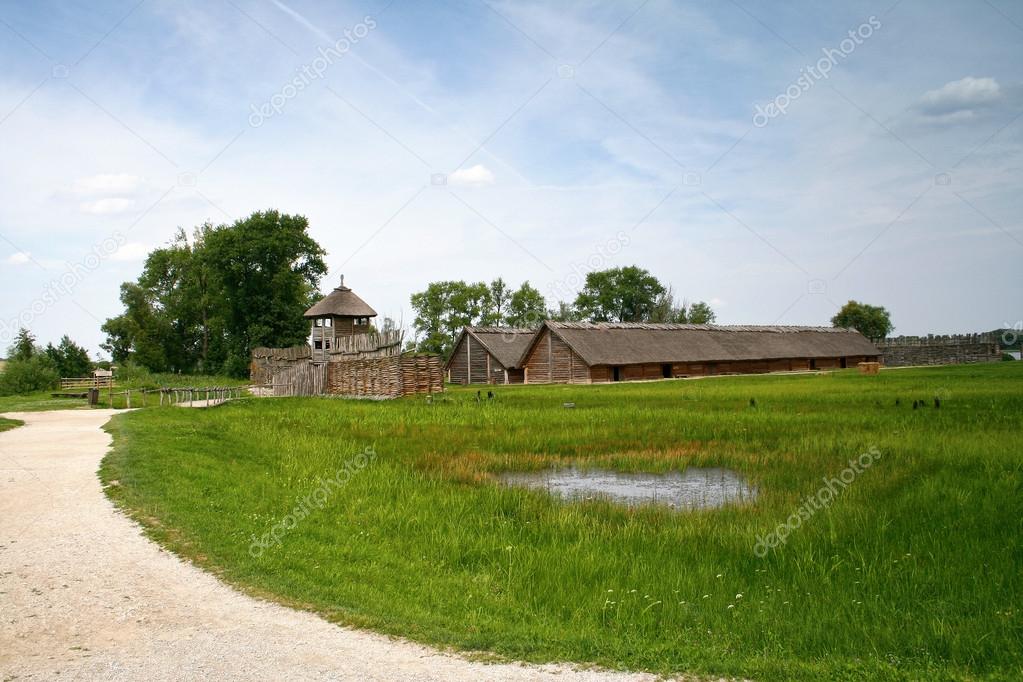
{"x":633,"y":343}
{"x":342,"y":302}
{"x":506,"y":344}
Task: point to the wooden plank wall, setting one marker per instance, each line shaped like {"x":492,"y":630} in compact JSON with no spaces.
{"x":639,"y":372}
{"x":471,"y":363}
{"x":552,"y":361}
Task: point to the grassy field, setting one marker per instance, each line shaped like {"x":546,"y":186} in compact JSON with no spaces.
{"x":8,"y":424}
{"x":912,"y":571}
{"x":137,"y":379}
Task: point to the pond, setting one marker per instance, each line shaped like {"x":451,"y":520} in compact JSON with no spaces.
{"x":694,"y":488}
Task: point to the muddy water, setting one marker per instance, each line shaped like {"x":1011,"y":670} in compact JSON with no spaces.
{"x":694,"y":488}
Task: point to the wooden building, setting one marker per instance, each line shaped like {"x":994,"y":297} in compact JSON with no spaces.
{"x":337,"y":316}
{"x":582,"y":352}
{"x":488,"y":355}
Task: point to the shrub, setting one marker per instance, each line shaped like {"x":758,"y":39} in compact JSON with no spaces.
{"x":37,"y":373}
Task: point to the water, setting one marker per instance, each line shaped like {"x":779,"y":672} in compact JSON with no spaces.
{"x":694,"y":488}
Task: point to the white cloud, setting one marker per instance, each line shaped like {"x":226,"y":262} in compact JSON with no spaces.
{"x":108,"y":206}
{"x":19,"y":258}
{"x":132,"y":251}
{"x":473,"y":176}
{"x":959,"y":100}
{"x":111,"y":183}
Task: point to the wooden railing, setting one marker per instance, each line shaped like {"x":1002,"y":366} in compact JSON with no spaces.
{"x":70,"y":384}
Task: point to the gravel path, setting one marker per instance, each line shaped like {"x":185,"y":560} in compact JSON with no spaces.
{"x":84,"y":596}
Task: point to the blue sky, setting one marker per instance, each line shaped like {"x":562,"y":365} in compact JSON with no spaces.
{"x":531,"y":140}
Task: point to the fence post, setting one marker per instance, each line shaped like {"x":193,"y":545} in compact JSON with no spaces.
{"x":127,"y":398}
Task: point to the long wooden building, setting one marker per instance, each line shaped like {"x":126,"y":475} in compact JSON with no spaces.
{"x":488,"y":355}
{"x":582,"y":352}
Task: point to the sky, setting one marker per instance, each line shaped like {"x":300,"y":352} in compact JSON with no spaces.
{"x":773,"y":159}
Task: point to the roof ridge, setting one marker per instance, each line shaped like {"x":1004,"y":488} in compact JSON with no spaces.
{"x":673,"y":326}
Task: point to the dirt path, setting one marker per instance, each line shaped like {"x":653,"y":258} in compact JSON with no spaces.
{"x":84,"y":596}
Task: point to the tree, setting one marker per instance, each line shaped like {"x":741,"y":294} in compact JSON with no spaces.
{"x":500,"y":298}
{"x":627,"y":294}
{"x":69,"y":359}
{"x":667,"y":309}
{"x":268,"y":271}
{"x":565,"y":312}
{"x":874,"y":322}
{"x":28,"y":369}
{"x":699,"y":313}
{"x":444,"y":308}
{"x":527,"y":307}
{"x":24,"y":346}
{"x":202,"y":306}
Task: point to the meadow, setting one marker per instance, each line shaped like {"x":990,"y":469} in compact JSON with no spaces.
{"x":387,"y":516}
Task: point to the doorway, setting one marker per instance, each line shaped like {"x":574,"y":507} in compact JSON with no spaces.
{"x":666,"y":371}
{"x":616,"y":374}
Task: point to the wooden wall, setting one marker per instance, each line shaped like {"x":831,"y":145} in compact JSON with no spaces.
{"x":389,"y":377}
{"x":552,"y":361}
{"x":471,"y":363}
{"x":603,"y":374}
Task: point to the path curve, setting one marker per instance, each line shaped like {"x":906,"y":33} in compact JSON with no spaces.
{"x":85,"y":596}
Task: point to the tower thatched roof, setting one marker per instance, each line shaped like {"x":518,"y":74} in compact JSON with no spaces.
{"x":341,"y":302}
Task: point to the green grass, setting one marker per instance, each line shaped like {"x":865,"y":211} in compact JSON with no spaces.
{"x":44,"y":400}
{"x":913,"y":572}
{"x":8,"y":424}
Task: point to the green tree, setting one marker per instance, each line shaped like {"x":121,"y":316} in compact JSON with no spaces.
{"x":500,"y":299}
{"x":627,"y":294}
{"x":202,"y":306}
{"x":565,"y":312}
{"x":444,"y":308}
{"x":24,"y":346}
{"x":527,"y":307}
{"x":69,"y":359}
{"x":699,"y":313}
{"x":874,"y":322}
{"x":667,"y":309}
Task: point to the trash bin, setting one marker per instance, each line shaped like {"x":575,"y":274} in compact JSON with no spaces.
{"x":93,"y":396}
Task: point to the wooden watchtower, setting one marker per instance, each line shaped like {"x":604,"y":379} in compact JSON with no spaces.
{"x":337,"y":315}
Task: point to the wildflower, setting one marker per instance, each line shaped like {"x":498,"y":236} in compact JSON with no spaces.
{"x":719,"y":575}
{"x":706,"y":596}
{"x":738,"y":596}
{"x":731,"y":606}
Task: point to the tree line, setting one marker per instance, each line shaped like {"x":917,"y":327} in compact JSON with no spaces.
{"x":626,"y":294}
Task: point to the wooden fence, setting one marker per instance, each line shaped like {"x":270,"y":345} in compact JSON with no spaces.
{"x":85,"y":383}
{"x":302,"y":379}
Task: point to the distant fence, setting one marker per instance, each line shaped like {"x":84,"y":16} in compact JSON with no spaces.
{"x":80,"y":383}
{"x":954,"y":349}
